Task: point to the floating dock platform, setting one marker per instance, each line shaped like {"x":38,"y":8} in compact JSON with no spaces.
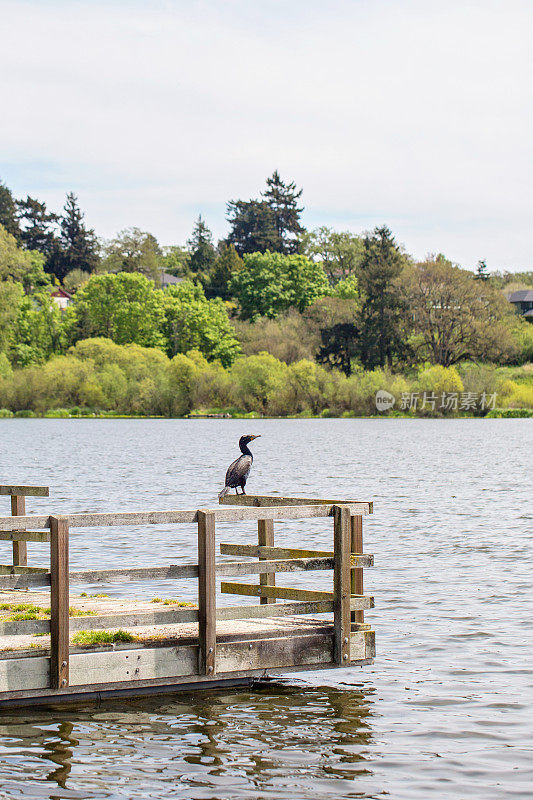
{"x":58,"y":646}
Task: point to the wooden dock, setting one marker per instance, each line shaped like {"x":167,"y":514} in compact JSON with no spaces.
{"x":58,"y":646}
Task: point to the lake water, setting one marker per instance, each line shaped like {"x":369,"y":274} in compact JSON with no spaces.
{"x":445,"y":710}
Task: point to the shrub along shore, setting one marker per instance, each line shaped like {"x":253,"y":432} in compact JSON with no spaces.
{"x":98,"y":378}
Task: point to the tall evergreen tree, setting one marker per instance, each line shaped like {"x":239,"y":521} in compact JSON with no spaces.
{"x":253,"y":227}
{"x":380,"y":332}
{"x":36,"y":229}
{"x":283,"y":200}
{"x":8,"y":211}
{"x":200,"y":247}
{"x":482,"y":272}
{"x":77,"y":247}
{"x":227,"y":264}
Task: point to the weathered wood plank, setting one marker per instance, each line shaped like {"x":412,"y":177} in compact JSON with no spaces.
{"x":59,"y":603}
{"x":25,"y":536}
{"x":25,"y":491}
{"x":360,"y":560}
{"x":20,"y":550}
{"x":31,"y":522}
{"x":24,"y":673}
{"x":341,"y":584}
{"x":265,"y":537}
{"x":234,"y":568}
{"x":8,"y":569}
{"x":174,"y":616}
{"x":24,"y":581}
{"x":276,"y":653}
{"x":206,"y":593}
{"x":229,"y":514}
{"x":263,"y":501}
{"x":277,"y":610}
{"x":124,"y":619}
{"x":137,"y":666}
{"x":114,"y":666}
{"x":238,"y":513}
{"x":135,"y":574}
{"x":356,"y":546}
{"x":287,"y":593}
{"x":23,"y":627}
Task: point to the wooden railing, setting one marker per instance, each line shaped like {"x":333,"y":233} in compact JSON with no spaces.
{"x":18,"y":496}
{"x":345,"y":601}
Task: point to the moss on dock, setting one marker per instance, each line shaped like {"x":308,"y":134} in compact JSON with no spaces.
{"x":103,"y":637}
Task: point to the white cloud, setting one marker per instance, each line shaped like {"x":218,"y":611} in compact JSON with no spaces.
{"x":413,"y":113}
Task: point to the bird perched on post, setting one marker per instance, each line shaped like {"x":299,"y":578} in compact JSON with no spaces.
{"x":238,"y":471}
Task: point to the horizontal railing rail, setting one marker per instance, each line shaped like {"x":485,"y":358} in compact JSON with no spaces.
{"x":235,"y":514}
{"x":22,"y":577}
{"x":265,"y":501}
{"x":24,"y":491}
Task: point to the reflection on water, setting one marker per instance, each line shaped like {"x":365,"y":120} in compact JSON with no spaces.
{"x":275,"y":740}
{"x":443,"y":714}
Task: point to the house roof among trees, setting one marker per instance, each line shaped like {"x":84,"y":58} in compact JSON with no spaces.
{"x":522,"y":296}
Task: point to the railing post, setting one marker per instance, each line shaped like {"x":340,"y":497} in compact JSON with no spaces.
{"x":206,"y":593}
{"x":59,"y":603}
{"x":357,"y":574}
{"x":265,"y":538}
{"x":341,"y":584}
{"x":20,"y":550}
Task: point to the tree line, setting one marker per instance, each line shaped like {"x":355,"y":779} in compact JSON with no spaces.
{"x":341,"y":301}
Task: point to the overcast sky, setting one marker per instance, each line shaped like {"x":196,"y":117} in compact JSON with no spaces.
{"x":413,"y":113}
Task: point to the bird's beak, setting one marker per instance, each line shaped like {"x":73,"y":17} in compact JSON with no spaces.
{"x":256,"y":437}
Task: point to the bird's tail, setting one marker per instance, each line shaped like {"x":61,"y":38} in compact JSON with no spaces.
{"x":224,"y":492}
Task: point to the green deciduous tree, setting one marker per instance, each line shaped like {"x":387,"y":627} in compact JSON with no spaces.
{"x":133,"y":250}
{"x":340,"y":252}
{"x":382,"y":311}
{"x":23,"y":266}
{"x":454,"y":316}
{"x":271,"y":283}
{"x":255,"y":379}
{"x":37,"y":331}
{"x":10,"y":296}
{"x":289,"y":337}
{"x":191,"y":322}
{"x":124,"y":308}
{"x":175,"y":261}
{"x":283,"y":200}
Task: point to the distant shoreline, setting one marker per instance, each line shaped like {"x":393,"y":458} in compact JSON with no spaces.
{"x":506,"y":413}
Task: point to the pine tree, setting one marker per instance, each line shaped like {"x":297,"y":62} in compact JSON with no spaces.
{"x":253,"y":227}
{"x":77,"y":247}
{"x":482,"y":271}
{"x":227,"y":264}
{"x":200,"y":247}
{"x":283,"y":200}
{"x":37,"y":223}
{"x":380,"y":268}
{"x":8,"y":211}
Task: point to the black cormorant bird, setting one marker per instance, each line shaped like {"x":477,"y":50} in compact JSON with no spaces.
{"x":238,"y":471}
